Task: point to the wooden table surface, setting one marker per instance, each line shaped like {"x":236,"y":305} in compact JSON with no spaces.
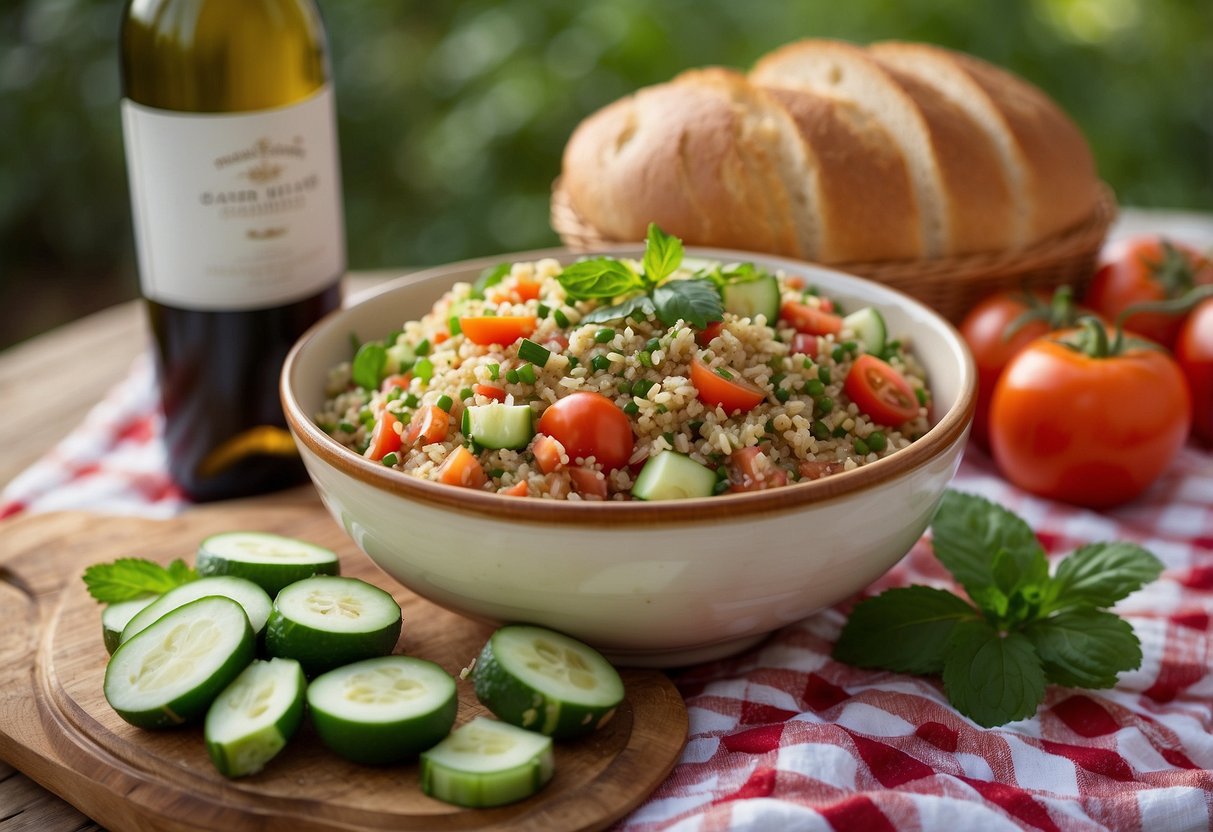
{"x":40,"y":409}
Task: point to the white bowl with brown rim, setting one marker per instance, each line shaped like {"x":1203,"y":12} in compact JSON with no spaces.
{"x":654,"y":584}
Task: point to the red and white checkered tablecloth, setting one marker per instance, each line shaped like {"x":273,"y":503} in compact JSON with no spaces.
{"x":784,"y":738}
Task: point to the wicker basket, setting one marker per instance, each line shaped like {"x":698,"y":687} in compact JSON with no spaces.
{"x":951,"y":285}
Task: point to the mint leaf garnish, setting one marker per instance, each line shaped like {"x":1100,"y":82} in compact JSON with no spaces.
{"x":990,"y":677}
{"x":128,"y":578}
{"x":1100,"y":574}
{"x":600,"y":277}
{"x":367,"y":369}
{"x":638,"y":306}
{"x":1085,"y":648}
{"x":904,"y":629}
{"x":1023,"y":629}
{"x":662,"y":255}
{"x":695,"y":301}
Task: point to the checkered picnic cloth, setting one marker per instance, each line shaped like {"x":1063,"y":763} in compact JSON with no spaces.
{"x":784,"y":738}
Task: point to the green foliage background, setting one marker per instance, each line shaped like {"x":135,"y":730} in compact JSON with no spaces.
{"x":453,"y":115}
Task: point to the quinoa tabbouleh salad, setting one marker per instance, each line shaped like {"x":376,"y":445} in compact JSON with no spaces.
{"x":615,"y":380}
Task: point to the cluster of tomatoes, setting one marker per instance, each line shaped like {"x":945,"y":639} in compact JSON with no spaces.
{"x":1089,"y":404}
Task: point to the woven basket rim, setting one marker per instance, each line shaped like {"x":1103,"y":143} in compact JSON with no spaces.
{"x":1079,"y":239}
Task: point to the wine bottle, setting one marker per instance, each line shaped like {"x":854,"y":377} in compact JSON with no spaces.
{"x":231,"y":147}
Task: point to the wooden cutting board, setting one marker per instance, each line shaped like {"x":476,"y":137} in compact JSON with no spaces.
{"x":56,"y":726}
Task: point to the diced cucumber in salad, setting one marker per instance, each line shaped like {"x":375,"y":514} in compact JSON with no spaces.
{"x":189,"y":655}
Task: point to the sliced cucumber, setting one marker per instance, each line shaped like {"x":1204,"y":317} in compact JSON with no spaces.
{"x":869,"y":327}
{"x":499,"y":425}
{"x":115,"y":617}
{"x":269,"y":560}
{"x":544,"y":681}
{"x":170,"y":672}
{"x":383,"y":710}
{"x":669,"y":475}
{"x":253,"y":598}
{"x":487,"y":763}
{"x":252,"y":719}
{"x":399,"y":358}
{"x":749,"y":298}
{"x":326,"y":621}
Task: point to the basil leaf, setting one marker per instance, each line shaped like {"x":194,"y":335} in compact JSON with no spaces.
{"x":489,"y":277}
{"x":1085,"y":648}
{"x":904,"y":629}
{"x":992,"y":678}
{"x":662,"y":255}
{"x":639,"y":307}
{"x":367,"y":369}
{"x":1100,"y":574}
{"x":128,"y":578}
{"x":601,"y":277}
{"x":695,"y":301}
{"x":969,"y":532}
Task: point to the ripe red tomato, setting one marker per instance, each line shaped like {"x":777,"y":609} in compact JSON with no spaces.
{"x":1094,"y":431}
{"x":1140,"y":269}
{"x":985,"y":330}
{"x":1194,"y":352}
{"x":880,"y":391}
{"x":811,"y":319}
{"x":589,"y":424}
{"x":724,"y":387}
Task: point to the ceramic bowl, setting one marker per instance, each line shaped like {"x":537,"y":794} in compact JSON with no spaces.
{"x":649,"y":584}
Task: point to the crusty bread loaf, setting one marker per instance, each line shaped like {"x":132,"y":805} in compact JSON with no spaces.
{"x":836,"y":153}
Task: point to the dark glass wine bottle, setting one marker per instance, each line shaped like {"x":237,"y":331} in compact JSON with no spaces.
{"x":231,"y":149}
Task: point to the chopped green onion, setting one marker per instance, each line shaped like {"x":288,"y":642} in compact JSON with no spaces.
{"x":411,"y":400}
{"x":511,"y":376}
{"x":823,"y":374}
{"x":604,"y":335}
{"x":527,"y":372}
{"x":542,"y":311}
{"x":631,"y":408}
{"x":646,"y":358}
{"x":769,"y":426}
{"x":465,"y":423}
{"x":423,"y":348}
{"x":466,"y":393}
{"x":921,"y":395}
{"x":453,"y":325}
{"x":661,"y":408}
{"x":497,"y":473}
{"x":562,"y":320}
{"x":366,"y":416}
{"x":444,"y":403}
{"x":724,"y":374}
{"x":850,"y":346}
{"x":777,"y":378}
{"x":642,"y":386}
{"x":494,"y":371}
{"x":782,"y":394}
{"x":600,"y":363}
{"x":392,"y":394}
{"x":624,"y":386}
{"x":423,"y":369}
{"x":861,"y":447}
{"x":839,"y":432}
{"x":839,"y":354}
{"x":820,"y":430}
{"x":390,"y":459}
{"x":363,"y":445}
{"x":347,"y":427}
{"x":695,"y":426}
{"x":877,"y":441}
{"x":573,"y":361}
{"x":824,"y":404}
{"x":528,"y":350}
{"x":653,"y":345}
{"x":721,"y":487}
{"x":668,"y":436}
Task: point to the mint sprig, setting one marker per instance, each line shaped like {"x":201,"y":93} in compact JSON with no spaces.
{"x":129,"y":578}
{"x":1021,"y":628}
{"x":647,"y":293}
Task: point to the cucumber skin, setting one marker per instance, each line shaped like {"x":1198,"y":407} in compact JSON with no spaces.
{"x":478,"y":797}
{"x":208,"y":566}
{"x":314,"y":647}
{"x":112,"y":638}
{"x":192,"y":705}
{"x":285,"y":726}
{"x":510,"y":699}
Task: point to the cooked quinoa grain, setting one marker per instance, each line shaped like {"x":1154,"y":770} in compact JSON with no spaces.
{"x":786,"y":417}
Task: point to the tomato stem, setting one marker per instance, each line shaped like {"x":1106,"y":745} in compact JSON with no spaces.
{"x":1172,"y":306}
{"x":1058,"y":313}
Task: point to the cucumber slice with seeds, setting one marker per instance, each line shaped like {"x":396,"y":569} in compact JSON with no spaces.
{"x":327,"y":621}
{"x":269,"y":560}
{"x":544,"y":681}
{"x":749,"y":298}
{"x":254,"y":716}
{"x":115,"y":617}
{"x":252,"y":598}
{"x":487,"y":763}
{"x":383,"y":710}
{"x":170,"y":672}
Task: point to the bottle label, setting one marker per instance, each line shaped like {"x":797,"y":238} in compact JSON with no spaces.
{"x":235,"y":210}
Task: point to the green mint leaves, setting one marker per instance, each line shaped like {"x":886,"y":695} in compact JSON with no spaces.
{"x":1024,"y":628}
{"x":129,"y":578}
{"x":368,"y":364}
{"x":695,"y":300}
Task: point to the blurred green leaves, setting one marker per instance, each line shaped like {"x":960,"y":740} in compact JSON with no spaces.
{"x":453,"y":116}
